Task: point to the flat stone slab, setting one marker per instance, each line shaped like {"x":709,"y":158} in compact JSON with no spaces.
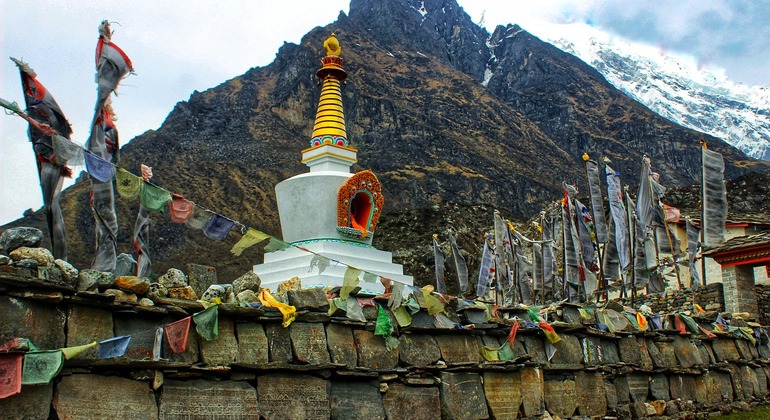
{"x":224,"y":350}
{"x":142,"y":332}
{"x":686,"y":353}
{"x":744,"y":350}
{"x":252,"y":343}
{"x":102,"y":397}
{"x":458,"y":349}
{"x":532,"y":391}
{"x":568,"y":351}
{"x":591,"y":402}
{"x":342,"y":346}
{"x":682,"y":387}
{"x":293,"y":397}
{"x":592,"y":350}
{"x":412,"y":402}
{"x":628,"y":348}
{"x":42,"y":323}
{"x":86,"y":325}
{"x":418,"y":350}
{"x":356,"y":400}
{"x":372,"y":352}
{"x":638,"y":387}
{"x":610,"y":352}
{"x":34,"y":402}
{"x":192,"y":352}
{"x":308,"y":340}
{"x":280,"y":342}
{"x":503,"y":393}
{"x":725,"y":350}
{"x":535,"y":348}
{"x":659,"y":387}
{"x":662,"y":354}
{"x":560,"y":396}
{"x":208,"y":399}
{"x":462,"y":396}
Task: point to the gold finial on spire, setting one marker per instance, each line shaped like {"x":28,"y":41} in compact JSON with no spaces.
{"x":586,"y":157}
{"x":332,"y":46}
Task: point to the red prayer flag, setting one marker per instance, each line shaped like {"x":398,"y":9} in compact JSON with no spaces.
{"x":10,"y":374}
{"x":512,"y":334}
{"x":177,"y":333}
{"x":680,"y":325}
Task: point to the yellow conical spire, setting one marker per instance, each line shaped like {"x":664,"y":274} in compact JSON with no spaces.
{"x":329,"y":125}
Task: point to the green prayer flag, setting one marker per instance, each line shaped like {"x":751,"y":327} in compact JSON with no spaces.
{"x":505,"y":352}
{"x":40,"y":367}
{"x":128,"y":185}
{"x":411,"y":305}
{"x":402,"y":316}
{"x":433,"y":304}
{"x":370,"y":278}
{"x":383,"y":326}
{"x":207,"y":323}
{"x":691,"y":324}
{"x":490,"y":354}
{"x":276,"y":244}
{"x":533,"y":316}
{"x":250,"y":238}
{"x":154,"y":197}
{"x":350,"y":281}
{"x":391,"y":342}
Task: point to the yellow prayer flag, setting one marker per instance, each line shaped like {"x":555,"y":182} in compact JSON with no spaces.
{"x":249,"y":239}
{"x":75,"y":351}
{"x":289,"y":312}
{"x":350,"y":281}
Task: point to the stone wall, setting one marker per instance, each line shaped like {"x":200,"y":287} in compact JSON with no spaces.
{"x":763,"y":301}
{"x":325,"y":366}
{"x":709,"y":297}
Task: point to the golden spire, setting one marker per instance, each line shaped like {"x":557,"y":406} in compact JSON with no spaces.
{"x":329,"y":125}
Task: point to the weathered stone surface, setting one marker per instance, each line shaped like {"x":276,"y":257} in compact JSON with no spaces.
{"x":186,"y":293}
{"x":133,"y":284}
{"x":356,"y":400}
{"x":285,"y":396}
{"x":622,"y":390}
{"x":252,"y":343}
{"x":638,"y":410}
{"x":309,"y":342}
{"x":560,"y":397}
{"x":224,"y":350}
{"x":125,"y":265}
{"x":629,"y":350}
{"x":459,"y":348}
{"x":591,"y":402}
{"x":761,"y":389}
{"x":69,"y":272}
{"x":682,"y":387}
{"x":310,"y":299}
{"x":342,"y":346}
{"x":217,"y":291}
{"x":686,"y":353}
{"x":122,"y":295}
{"x":737,"y":381}
{"x":142,"y":332}
{"x":462,"y":396}
{"x":101,"y":397}
{"x":157,"y":290}
{"x":659,"y":387}
{"x":146,"y":302}
{"x":372,"y":352}
{"x":592,"y":350}
{"x":5,"y":260}
{"x":17,"y":237}
{"x":409,"y":402}
{"x":568,"y":351}
{"x":503,"y":393}
{"x":198,"y":399}
{"x":41,"y":255}
{"x":750,"y":385}
{"x":611,"y":394}
{"x":280,"y":342}
{"x":713,"y":391}
{"x":200,"y":277}
{"x":725,"y":350}
{"x":34,"y":402}
{"x":249,"y":281}
{"x":89,"y":279}
{"x":638,"y":387}
{"x":42,"y":323}
{"x":743,"y":349}
{"x":247,"y":297}
{"x":418,"y":349}
{"x":535,"y":348}
{"x":28,"y":263}
{"x":662,"y":354}
{"x":532,"y":391}
{"x":85,"y":325}
{"x":706,"y":354}
{"x":644,"y":355}
{"x":572,"y":316}
{"x":725,"y":385}
{"x":701,"y":391}
{"x":610,"y":351}
{"x":173,"y":278}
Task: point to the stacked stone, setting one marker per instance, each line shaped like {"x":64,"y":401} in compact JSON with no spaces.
{"x":709,"y":297}
{"x":763,"y":300}
{"x":326,"y":366}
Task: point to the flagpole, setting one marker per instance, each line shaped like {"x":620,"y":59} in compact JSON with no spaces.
{"x":702,"y":209}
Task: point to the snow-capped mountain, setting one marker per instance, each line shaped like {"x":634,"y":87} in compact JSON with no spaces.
{"x":697,"y":99}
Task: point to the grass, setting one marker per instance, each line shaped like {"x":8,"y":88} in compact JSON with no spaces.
{"x":760,"y":412}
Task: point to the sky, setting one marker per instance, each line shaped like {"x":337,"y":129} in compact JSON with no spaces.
{"x":179,"y":47}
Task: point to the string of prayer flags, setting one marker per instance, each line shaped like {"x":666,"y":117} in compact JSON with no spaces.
{"x":680,"y":325}
{"x":154,"y":197}
{"x":505,"y":352}
{"x":550,"y":350}
{"x":403,"y":318}
{"x":550,"y":333}
{"x":691,"y":324}
{"x":180,"y":209}
{"x":396,"y":296}
{"x":200,"y":218}
{"x":40,"y":367}
{"x":276,"y":244}
{"x":114,"y":347}
{"x":177,"y":333}
{"x":289,"y":312}
{"x":353,"y":309}
{"x":99,"y":169}
{"x":218,"y":227}
{"x":349,"y":281}
{"x":533,"y":315}
{"x":207,"y":323}
{"x":75,"y":351}
{"x":129,"y":186}
{"x":10,"y":373}
{"x":370,"y":277}
{"x":253,"y":237}
{"x":432,"y":303}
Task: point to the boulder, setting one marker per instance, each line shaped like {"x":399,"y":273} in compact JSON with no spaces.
{"x":248,"y":281}
{"x":125,"y":265}
{"x":186,"y":293}
{"x":133,"y":284}
{"x":173,"y":278}
{"x":17,"y":237}
{"x":41,"y":255}
{"x":90,"y":279}
{"x":157,"y":290}
{"x":69,"y":272}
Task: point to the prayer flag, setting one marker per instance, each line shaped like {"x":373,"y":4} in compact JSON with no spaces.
{"x":714,"y":198}
{"x":618,"y":212}
{"x":218,"y":227}
{"x":396,"y":296}
{"x":157,"y":345}
{"x":289,"y":312}
{"x":177,"y":333}
{"x":485,"y":270}
{"x":644,"y":208}
{"x":438,"y":257}
{"x":40,"y":367}
{"x":207,"y":323}
{"x":550,"y":333}
{"x":349,"y":281}
{"x":180,"y":209}
{"x":67,"y":151}
{"x":499,"y":257}
{"x":10,"y":374}
{"x":323,"y":263}
{"x":276,"y":244}
{"x":511,"y":339}
{"x":402,"y":316}
{"x":128,"y":185}
{"x":112,"y":64}
{"x":680,"y":325}
{"x":249,"y":239}
{"x":353,"y":309}
{"x":369,"y":277}
{"x":505,"y":352}
{"x":200,"y":218}
{"x":432,"y":303}
{"x":490,"y":354}
{"x":460,"y":265}
{"x":75,"y":351}
{"x":98,"y":168}
{"x":154,"y":197}
{"x":533,"y":315}
{"x":641,"y":321}
{"x":594,"y":187}
{"x":114,"y":347}
{"x":383,"y":325}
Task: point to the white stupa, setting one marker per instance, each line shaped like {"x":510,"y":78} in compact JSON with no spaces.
{"x":329,"y":214}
